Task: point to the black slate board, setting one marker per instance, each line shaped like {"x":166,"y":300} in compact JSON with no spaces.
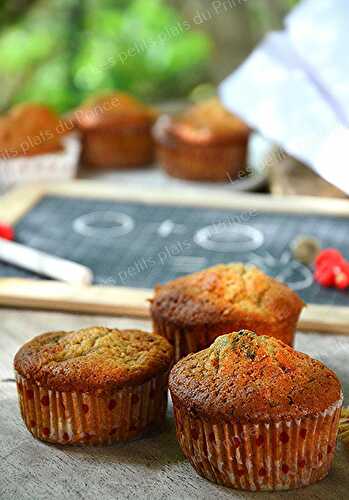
{"x":161,"y":242}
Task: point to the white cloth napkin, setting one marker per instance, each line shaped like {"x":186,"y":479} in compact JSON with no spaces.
{"x":294,"y":88}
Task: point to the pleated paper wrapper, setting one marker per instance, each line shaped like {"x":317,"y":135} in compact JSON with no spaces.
{"x":267,"y":456}
{"x":87,"y":418}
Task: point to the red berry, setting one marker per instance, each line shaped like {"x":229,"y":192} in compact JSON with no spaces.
{"x":329,"y":255}
{"x":341,"y":273}
{"x":325,"y":276}
{"x":331,"y":269}
{"x":341,"y":280}
{"x":7,"y":232}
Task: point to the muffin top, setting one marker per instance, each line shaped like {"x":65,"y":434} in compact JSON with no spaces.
{"x":114,"y":109}
{"x":252,"y":378}
{"x":93,"y":359}
{"x":222,"y":293}
{"x":30,"y":129}
{"x":208,"y":122}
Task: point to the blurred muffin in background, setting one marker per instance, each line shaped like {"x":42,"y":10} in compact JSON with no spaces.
{"x":36,"y":145}
{"x":116,"y":131}
{"x":204,"y":143}
{"x":30,"y":129}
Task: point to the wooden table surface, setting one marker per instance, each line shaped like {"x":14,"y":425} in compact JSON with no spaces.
{"x":150,"y":468}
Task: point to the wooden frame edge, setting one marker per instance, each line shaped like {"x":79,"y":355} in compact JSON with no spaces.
{"x":206,"y":198}
{"x":133,"y":302}
{"x":18,"y":201}
{"x":58,"y":296}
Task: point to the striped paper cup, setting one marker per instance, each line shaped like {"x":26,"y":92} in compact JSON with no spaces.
{"x":263,"y":456}
{"x":87,"y":418}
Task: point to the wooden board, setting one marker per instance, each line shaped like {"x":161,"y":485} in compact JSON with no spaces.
{"x":134,"y":302}
{"x":146,"y":469}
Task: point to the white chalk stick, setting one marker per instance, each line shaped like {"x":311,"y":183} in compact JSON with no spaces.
{"x":44,"y":264}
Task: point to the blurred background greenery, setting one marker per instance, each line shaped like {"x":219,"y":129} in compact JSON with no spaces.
{"x":58,"y":52}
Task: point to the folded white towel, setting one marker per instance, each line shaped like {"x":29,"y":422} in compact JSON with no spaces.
{"x":294,"y":88}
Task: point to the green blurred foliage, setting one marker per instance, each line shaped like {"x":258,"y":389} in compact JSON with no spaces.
{"x":62,"y":51}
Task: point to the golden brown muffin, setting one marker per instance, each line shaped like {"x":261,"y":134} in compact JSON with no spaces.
{"x":251,"y":413}
{"x":30,"y":129}
{"x":95,"y":385}
{"x":192,"y":311}
{"x":116,"y":130}
{"x":205,"y":143}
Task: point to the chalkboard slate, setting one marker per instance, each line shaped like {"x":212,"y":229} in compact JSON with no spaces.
{"x":139,"y":245}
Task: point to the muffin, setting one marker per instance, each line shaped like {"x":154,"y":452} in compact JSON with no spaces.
{"x":30,"y":129}
{"x":116,"y":131}
{"x":35,"y":145}
{"x":205,"y":143}
{"x":93,"y":386}
{"x":193,"y":310}
{"x":253,"y":414}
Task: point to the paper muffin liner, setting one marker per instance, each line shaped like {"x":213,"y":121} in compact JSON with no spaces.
{"x":86,"y":418}
{"x":118,"y":148}
{"x":212,"y":162}
{"x":194,"y":339}
{"x":343,"y":431}
{"x":45,"y":167}
{"x":267,"y":456}
{"x":184,"y":341}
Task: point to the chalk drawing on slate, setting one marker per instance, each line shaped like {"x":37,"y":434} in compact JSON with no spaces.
{"x":235,"y":238}
{"x":103,"y":223}
{"x":142,"y":258}
{"x":291,"y":272}
{"x":168,"y":227}
{"x":187,"y":264}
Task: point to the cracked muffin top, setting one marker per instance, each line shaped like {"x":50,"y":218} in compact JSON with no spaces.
{"x":114,"y":109}
{"x":30,"y":129}
{"x":208,"y":121}
{"x":225,"y":292}
{"x":252,"y":378}
{"x":93,"y":359}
